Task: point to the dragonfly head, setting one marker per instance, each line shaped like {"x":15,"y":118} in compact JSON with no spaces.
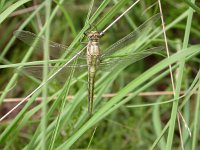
{"x":94,"y":36}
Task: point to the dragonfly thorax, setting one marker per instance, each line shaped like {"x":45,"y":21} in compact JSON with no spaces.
{"x":94,"y":36}
{"x":93,"y":44}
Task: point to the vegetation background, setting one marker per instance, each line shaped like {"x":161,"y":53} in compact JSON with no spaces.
{"x":145,"y":112}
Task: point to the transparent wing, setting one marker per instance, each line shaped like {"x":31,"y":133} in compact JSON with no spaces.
{"x":144,"y":28}
{"x":29,"y":38}
{"x":104,"y":65}
{"x":37,"y":70}
{"x":127,"y":59}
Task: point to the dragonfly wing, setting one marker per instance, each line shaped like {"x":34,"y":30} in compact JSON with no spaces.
{"x":31,"y":39}
{"x":130,"y":38}
{"x":37,"y":70}
{"x":127,"y":59}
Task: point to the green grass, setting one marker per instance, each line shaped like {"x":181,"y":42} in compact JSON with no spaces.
{"x":118,"y":122}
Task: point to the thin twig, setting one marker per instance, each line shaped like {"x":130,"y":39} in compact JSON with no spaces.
{"x":170,"y":67}
{"x":185,"y":123}
{"x":149,"y":8}
{"x":119,"y":17}
{"x":39,"y":22}
{"x":108,"y":95}
{"x":23,"y":11}
{"x":166,"y":45}
{"x":179,"y":128}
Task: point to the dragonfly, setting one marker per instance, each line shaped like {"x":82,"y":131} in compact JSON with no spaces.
{"x":92,"y":58}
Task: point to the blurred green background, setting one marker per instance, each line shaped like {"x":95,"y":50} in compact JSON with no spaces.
{"x":63,"y":122}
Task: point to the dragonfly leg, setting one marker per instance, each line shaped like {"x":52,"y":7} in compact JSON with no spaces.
{"x":81,"y":40}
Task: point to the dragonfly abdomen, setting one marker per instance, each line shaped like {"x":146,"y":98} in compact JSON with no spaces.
{"x":91,"y":79}
{"x":92,"y":59}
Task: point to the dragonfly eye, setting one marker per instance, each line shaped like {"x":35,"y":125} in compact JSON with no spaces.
{"x":94,"y":35}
